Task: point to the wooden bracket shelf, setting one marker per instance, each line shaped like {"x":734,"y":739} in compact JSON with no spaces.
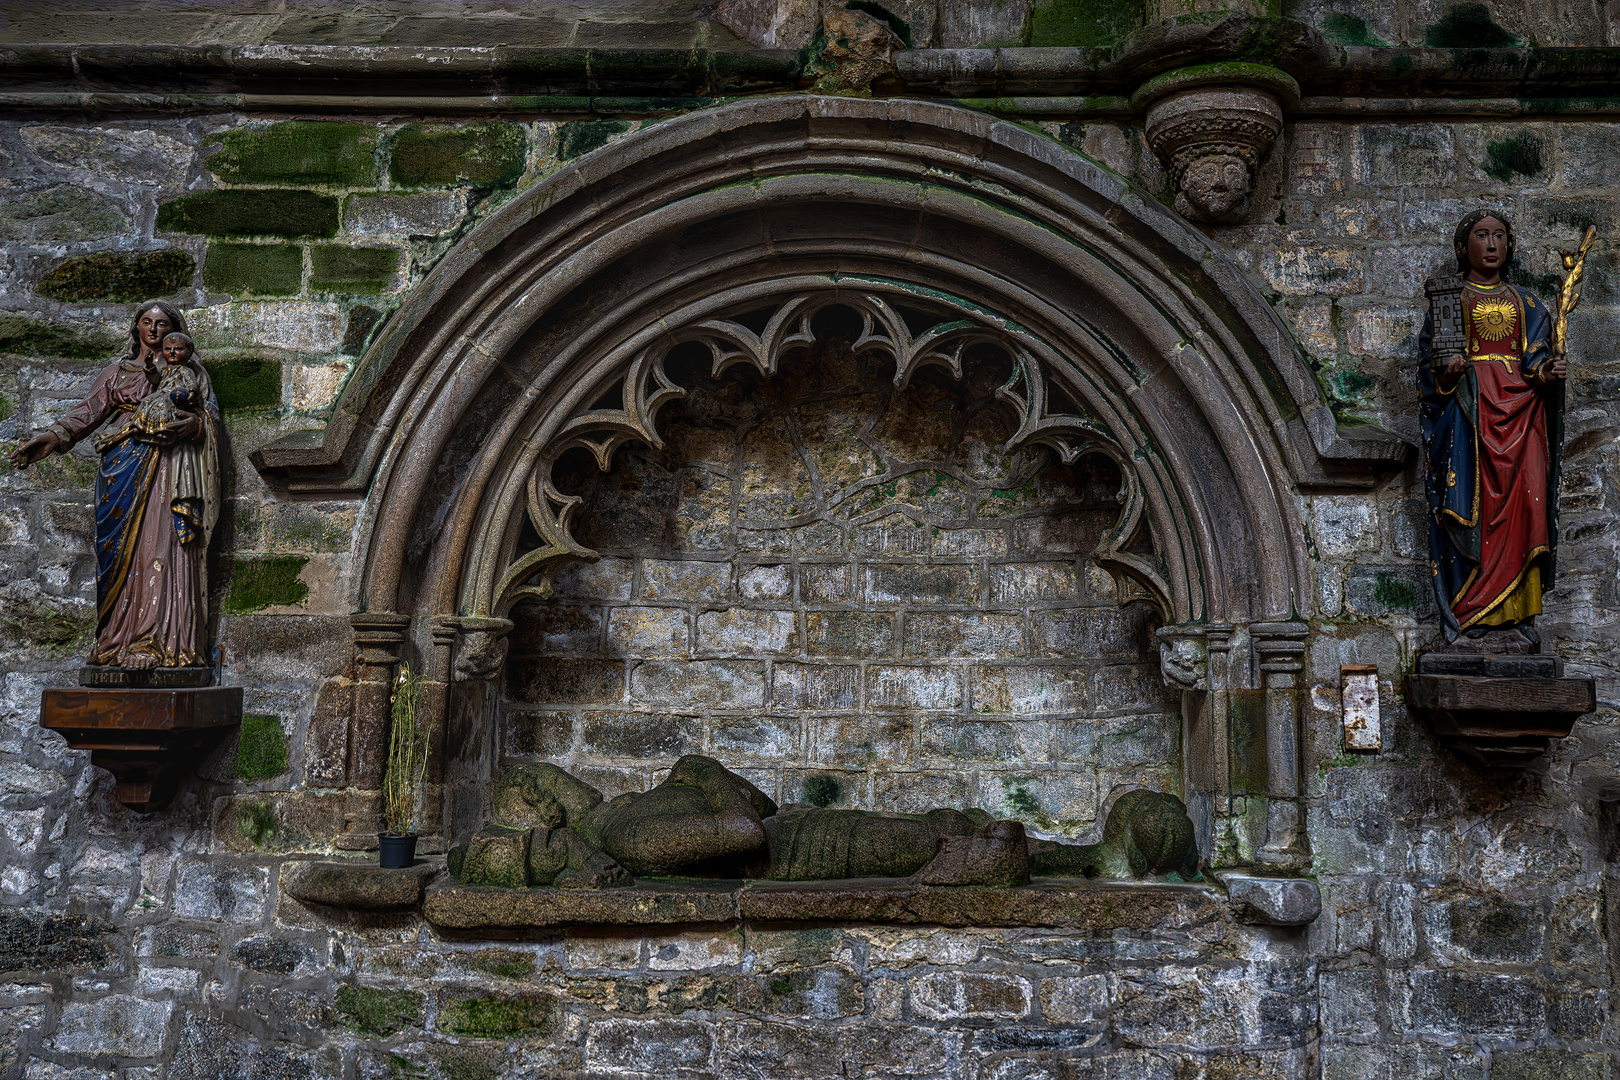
{"x":149,"y":739}
{"x":1499,"y":712}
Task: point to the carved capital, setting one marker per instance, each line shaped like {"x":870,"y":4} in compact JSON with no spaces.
{"x":1184,"y":657}
{"x":1212,"y":140}
{"x":479,"y":644}
{"x":378,"y":636}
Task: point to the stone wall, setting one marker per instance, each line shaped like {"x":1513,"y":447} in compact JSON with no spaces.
{"x":1468,"y":917}
{"x":848,"y":593}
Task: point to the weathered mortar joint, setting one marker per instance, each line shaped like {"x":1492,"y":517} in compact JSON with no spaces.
{"x":1211,"y":127}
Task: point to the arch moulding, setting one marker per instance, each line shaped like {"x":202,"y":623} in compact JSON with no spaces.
{"x":1130,"y":335}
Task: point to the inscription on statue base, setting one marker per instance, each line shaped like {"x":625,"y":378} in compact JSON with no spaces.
{"x":149,"y":739}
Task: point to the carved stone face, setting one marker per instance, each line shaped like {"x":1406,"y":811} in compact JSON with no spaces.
{"x":1217,"y":187}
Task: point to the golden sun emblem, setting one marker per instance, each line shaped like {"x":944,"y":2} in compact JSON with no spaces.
{"x":1494,"y":319}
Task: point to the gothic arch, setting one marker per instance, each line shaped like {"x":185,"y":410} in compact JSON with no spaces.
{"x":573,"y":290}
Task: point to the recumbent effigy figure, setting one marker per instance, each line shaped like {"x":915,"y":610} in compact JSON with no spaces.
{"x":551,"y":828}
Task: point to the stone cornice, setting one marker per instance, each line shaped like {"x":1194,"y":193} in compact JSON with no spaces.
{"x":562,"y":81}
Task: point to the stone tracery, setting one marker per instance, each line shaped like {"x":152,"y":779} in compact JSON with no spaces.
{"x":645,"y":388}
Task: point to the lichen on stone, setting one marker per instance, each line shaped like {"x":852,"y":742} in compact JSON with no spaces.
{"x":118,"y":277}
{"x":258,"y":822}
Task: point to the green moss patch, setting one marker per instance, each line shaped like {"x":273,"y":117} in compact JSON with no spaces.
{"x":245,"y":384}
{"x":497,"y":1017}
{"x":579,"y":137}
{"x":254,"y":269}
{"x":468,"y":1063}
{"x":484,"y":155}
{"x":1081,"y":22}
{"x":298,"y":152}
{"x":1342,"y":29}
{"x":22,"y":335}
{"x":262,"y":751}
{"x":260,"y":583}
{"x":251,"y":213}
{"x":378,"y":1012}
{"x":1469,"y":26}
{"x":1518,"y":156}
{"x":355,"y":270}
{"x":118,"y":277}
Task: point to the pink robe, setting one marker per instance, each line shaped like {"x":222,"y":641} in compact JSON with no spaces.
{"x":156,"y":506}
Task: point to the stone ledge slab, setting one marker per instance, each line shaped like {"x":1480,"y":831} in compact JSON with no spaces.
{"x":1272,"y":901}
{"x":1044,"y":902}
{"x":360,"y":885}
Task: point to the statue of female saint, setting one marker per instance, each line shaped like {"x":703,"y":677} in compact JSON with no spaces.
{"x":1492,"y":399}
{"x":157,"y":494}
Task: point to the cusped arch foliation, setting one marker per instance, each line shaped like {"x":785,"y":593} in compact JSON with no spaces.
{"x":1178,"y":366}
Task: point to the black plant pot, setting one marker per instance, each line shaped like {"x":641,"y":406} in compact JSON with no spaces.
{"x":396,"y":852}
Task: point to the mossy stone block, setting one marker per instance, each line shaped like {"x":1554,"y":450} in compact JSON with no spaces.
{"x":118,"y":277}
{"x":21,"y":335}
{"x":245,"y":384}
{"x":379,"y":1012}
{"x":262,"y":750}
{"x":251,"y":213}
{"x":1082,"y":22}
{"x":254,"y":269}
{"x":497,"y":1017}
{"x":299,"y":152}
{"x":260,"y":583}
{"x":364,"y":271}
{"x":484,"y":155}
{"x":582,"y":136}
{"x":59,"y":627}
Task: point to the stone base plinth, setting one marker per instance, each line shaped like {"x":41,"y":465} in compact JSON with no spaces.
{"x":148,"y":739}
{"x":1052,"y":902}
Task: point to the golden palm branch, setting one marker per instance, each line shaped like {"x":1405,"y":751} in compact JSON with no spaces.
{"x":1568,"y":293}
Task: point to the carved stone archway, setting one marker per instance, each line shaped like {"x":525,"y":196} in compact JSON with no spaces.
{"x":571,"y":295}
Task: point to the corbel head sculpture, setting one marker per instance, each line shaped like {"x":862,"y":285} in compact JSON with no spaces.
{"x":1212,"y":140}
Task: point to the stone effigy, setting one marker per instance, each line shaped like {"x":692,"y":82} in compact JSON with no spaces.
{"x":551,"y":828}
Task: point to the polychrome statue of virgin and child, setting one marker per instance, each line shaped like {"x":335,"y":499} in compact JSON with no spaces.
{"x":156,"y":428}
{"x":1491,"y":384}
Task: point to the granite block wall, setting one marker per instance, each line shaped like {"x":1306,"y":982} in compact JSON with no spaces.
{"x":941,"y":642}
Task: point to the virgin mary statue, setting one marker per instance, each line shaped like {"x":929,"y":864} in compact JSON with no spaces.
{"x":157,"y":494}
